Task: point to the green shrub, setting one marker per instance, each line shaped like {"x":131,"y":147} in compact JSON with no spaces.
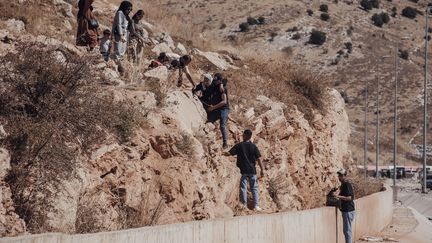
{"x":366,"y":5}
{"x":394,"y":12}
{"x":244,"y":27}
{"x":324,"y":16}
{"x":385,"y":17}
{"x":317,"y":37}
{"x":348,"y":46}
{"x":409,"y":12}
{"x":404,"y":54}
{"x":323,"y":8}
{"x":377,"y":20}
{"x":310,"y":12}
{"x":261,"y":20}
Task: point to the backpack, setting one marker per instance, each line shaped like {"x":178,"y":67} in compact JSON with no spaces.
{"x":216,"y":92}
{"x":331,"y":200}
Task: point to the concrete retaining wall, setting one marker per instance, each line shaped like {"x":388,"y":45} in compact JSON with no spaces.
{"x":309,"y":226}
{"x":373,"y":213}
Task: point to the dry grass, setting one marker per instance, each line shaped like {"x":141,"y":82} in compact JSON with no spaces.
{"x":283,"y":82}
{"x":39,"y":17}
{"x":278,"y":185}
{"x":180,"y":27}
{"x":147,"y":214}
{"x":54,"y":112}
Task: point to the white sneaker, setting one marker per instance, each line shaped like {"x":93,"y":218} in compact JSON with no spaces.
{"x":243,"y":207}
{"x":257,"y":209}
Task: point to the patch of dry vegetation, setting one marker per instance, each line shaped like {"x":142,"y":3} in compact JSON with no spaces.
{"x":54,"y":112}
{"x":282,"y":81}
{"x":39,"y":16}
{"x":180,"y":27}
{"x":277,"y":186}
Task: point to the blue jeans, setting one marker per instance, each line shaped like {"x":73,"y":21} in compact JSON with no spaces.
{"x":253,"y":183}
{"x":223,"y":121}
{"x":222,"y":115}
{"x":348,"y":218}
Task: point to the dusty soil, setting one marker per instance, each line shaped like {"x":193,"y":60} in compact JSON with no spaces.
{"x":403,"y":223}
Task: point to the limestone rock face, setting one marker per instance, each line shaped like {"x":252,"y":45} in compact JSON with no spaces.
{"x":186,"y":111}
{"x":181,"y":49}
{"x":216,"y":59}
{"x":173,"y":168}
{"x":162,"y":47}
{"x":160,"y":73}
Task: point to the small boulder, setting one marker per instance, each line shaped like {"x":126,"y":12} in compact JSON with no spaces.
{"x":143,"y":99}
{"x":181,"y":49}
{"x":172,"y":56}
{"x":160,"y":73}
{"x":166,"y":38}
{"x":216,"y":59}
{"x":16,"y":26}
{"x":162,"y":47}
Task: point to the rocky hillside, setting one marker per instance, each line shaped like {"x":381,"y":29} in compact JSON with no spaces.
{"x":111,"y":152}
{"x":356,"y":50}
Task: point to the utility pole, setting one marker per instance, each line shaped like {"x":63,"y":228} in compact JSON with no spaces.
{"x":377,"y":130}
{"x":365,"y":130}
{"x":425,"y":103}
{"x":395,"y":115}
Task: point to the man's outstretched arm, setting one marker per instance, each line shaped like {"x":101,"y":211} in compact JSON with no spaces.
{"x":261,"y":167}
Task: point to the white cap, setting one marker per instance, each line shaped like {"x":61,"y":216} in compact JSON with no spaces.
{"x":208,"y":76}
{"x":341,"y":172}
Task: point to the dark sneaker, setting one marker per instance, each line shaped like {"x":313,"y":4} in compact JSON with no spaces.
{"x":224,"y":146}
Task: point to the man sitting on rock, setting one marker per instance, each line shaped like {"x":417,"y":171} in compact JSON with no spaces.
{"x":247,"y":156}
{"x":215,"y":101}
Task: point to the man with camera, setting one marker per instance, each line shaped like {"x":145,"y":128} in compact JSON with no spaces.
{"x":347,"y":207}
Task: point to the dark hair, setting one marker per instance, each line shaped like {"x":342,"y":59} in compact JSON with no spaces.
{"x":81,"y":5}
{"x":224,"y":82}
{"x":184,"y":59}
{"x":217,"y":77}
{"x":247,"y":133}
{"x":139,"y":13}
{"x":125,"y":5}
{"x":162,"y":57}
{"x":175,"y":63}
{"x":107,"y":32}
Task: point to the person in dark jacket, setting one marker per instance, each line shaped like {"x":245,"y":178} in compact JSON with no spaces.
{"x":86,"y":34}
{"x":247,"y":156}
{"x":347,"y":207}
{"x":214,"y":97}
